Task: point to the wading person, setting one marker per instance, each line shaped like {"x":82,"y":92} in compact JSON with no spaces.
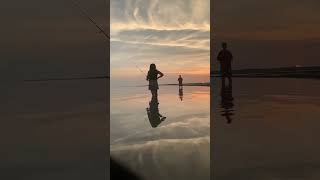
{"x":180,"y":81}
{"x":152,"y":77}
{"x":225,"y":58}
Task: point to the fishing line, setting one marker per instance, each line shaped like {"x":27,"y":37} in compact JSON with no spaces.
{"x":131,"y":59}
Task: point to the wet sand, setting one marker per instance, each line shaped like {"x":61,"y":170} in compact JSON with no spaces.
{"x":178,"y":148}
{"x":273,"y":130}
{"x":54,"y":130}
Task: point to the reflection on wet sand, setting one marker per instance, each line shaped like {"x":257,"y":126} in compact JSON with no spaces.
{"x":227,"y":101}
{"x":154,"y":116}
{"x":170,"y":149}
{"x":168,"y":158}
{"x":181,"y":93}
{"x":275,"y":132}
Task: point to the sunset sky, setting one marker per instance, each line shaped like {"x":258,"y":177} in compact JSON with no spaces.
{"x":264,"y":34}
{"x":175,"y":35}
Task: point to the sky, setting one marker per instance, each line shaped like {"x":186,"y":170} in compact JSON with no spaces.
{"x":41,"y":39}
{"x":51,"y":38}
{"x":263,"y":34}
{"x":175,"y":35}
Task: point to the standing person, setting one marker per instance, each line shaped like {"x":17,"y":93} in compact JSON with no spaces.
{"x":180,"y":81}
{"x":225,"y":58}
{"x":153,"y":77}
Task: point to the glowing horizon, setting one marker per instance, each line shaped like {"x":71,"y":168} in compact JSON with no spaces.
{"x":175,"y":35}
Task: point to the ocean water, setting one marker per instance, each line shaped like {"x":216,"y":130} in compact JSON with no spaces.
{"x":174,"y":147}
{"x":266,"y":129}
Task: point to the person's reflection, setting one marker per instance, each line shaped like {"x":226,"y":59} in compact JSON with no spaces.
{"x":181,"y":93}
{"x":227,"y":101}
{"x":154,"y":116}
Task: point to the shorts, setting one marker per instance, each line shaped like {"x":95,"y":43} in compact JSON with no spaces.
{"x":226,"y":71}
{"x":153,"y":85}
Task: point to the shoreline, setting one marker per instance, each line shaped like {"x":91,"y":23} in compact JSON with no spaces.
{"x":281,"y":72}
{"x":206,"y":84}
{"x":188,"y":84}
{"x":292,"y":76}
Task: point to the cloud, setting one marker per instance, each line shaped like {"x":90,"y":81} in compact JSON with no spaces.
{"x":195,"y":127}
{"x":174,"y":32}
{"x":164,"y":14}
{"x":159,"y":159}
{"x":268,"y":20}
{"x":193,"y":39}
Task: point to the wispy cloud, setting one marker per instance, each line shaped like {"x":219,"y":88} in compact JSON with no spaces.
{"x":160,"y":23}
{"x":117,"y":27}
{"x":166,"y":30}
{"x":160,"y":15}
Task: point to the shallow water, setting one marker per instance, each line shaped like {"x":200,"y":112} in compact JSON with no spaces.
{"x":271,"y":131}
{"x":177,"y":148}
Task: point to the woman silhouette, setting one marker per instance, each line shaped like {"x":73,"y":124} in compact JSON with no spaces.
{"x":153,"y":77}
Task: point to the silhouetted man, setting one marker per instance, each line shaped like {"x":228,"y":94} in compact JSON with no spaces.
{"x":225,"y":58}
{"x":180,"y":81}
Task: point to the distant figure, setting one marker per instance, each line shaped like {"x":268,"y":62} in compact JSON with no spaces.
{"x":181,"y":93}
{"x":154,"y":116}
{"x":227,"y":102}
{"x":153,"y":77}
{"x":180,"y":81}
{"x":225,"y":58}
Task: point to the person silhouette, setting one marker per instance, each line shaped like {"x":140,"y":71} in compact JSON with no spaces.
{"x":181,"y":93}
{"x":225,"y":58}
{"x":155,"y":118}
{"x":180,"y":81}
{"x":227,"y":102}
{"x":153,"y":77}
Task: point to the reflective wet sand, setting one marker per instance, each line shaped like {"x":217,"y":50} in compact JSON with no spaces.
{"x":177,"y":147}
{"x":273,"y":133}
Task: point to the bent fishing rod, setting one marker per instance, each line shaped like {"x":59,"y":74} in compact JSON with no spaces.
{"x":102,"y":31}
{"x":86,"y":15}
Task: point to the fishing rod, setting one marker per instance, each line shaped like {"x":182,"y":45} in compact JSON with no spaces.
{"x":141,"y":70}
{"x":131,"y":59}
{"x":86,"y":15}
{"x":101,"y":30}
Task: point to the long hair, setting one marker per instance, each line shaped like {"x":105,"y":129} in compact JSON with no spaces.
{"x":152,"y":67}
{"x":152,"y":73}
